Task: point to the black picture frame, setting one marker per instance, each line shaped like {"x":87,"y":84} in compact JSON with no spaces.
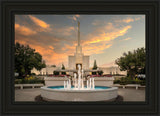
{"x":148,"y":7}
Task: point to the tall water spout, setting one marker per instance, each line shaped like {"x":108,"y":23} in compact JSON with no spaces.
{"x":79,"y":81}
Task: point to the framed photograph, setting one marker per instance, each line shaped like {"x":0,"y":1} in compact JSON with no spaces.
{"x":80,"y":58}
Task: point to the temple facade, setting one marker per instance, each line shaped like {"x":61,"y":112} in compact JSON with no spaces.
{"x":78,"y":57}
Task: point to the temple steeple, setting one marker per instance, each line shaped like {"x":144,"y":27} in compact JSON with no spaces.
{"x":79,"y":58}
{"x":79,"y":47}
{"x":78,"y":33}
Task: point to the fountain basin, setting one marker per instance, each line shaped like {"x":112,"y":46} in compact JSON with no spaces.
{"x":58,"y":93}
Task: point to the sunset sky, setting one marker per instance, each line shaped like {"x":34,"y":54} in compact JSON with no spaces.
{"x":103,"y":37}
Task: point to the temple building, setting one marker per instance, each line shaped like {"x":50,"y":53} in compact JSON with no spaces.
{"x":79,"y":57}
{"x":75,"y":60}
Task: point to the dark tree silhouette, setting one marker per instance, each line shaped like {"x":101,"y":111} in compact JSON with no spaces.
{"x":26,"y":59}
{"x":132,"y":62}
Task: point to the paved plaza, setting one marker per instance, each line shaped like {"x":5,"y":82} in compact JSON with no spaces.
{"x":129,"y":94}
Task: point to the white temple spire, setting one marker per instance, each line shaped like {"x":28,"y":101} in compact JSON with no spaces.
{"x":78,"y":33}
{"x":79,"y":47}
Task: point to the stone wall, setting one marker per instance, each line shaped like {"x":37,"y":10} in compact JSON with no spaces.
{"x":54,"y":81}
{"x":104,"y":81}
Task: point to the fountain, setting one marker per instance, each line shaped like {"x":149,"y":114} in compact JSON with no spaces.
{"x":79,"y":83}
{"x":76,"y":90}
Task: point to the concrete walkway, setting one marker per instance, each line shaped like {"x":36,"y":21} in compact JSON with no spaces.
{"x":129,"y":94}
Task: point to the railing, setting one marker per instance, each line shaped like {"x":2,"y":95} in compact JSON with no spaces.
{"x":28,"y":85}
{"x":129,"y":85}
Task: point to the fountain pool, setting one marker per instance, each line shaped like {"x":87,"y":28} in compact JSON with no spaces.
{"x":79,"y":89}
{"x":58,"y":93}
{"x":72,"y":88}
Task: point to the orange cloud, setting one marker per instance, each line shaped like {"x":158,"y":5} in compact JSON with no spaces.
{"x":21,"y":42}
{"x":50,"y":56}
{"x":106,"y":37}
{"x":128,"y":20}
{"x":69,"y":47}
{"x":127,"y":39}
{"x":94,"y":49}
{"x":48,"y":53}
{"x":24,"y":30}
{"x":65,"y":31}
{"x":39,"y":22}
{"x":51,"y":47}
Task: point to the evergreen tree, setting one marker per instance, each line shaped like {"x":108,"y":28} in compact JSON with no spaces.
{"x":63,"y":68}
{"x":94,"y":68}
{"x":95,"y":65}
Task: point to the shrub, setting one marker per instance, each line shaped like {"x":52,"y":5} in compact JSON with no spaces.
{"x":94,"y":73}
{"x":117,"y":81}
{"x":33,"y":73}
{"x":137,"y":81}
{"x":63,"y":73}
{"x":129,"y":80}
{"x":55,"y":72}
{"x":100,"y":72}
{"x":123,"y":81}
{"x":142,"y":82}
{"x":29,"y":80}
{"x":18,"y":81}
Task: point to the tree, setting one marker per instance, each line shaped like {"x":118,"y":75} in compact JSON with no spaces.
{"x":100,"y":72}
{"x":132,"y":62}
{"x":63,"y":68}
{"x":53,"y":65}
{"x":55,"y":72}
{"x":95,"y":65}
{"x":94,"y":68}
{"x":26,"y":59}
